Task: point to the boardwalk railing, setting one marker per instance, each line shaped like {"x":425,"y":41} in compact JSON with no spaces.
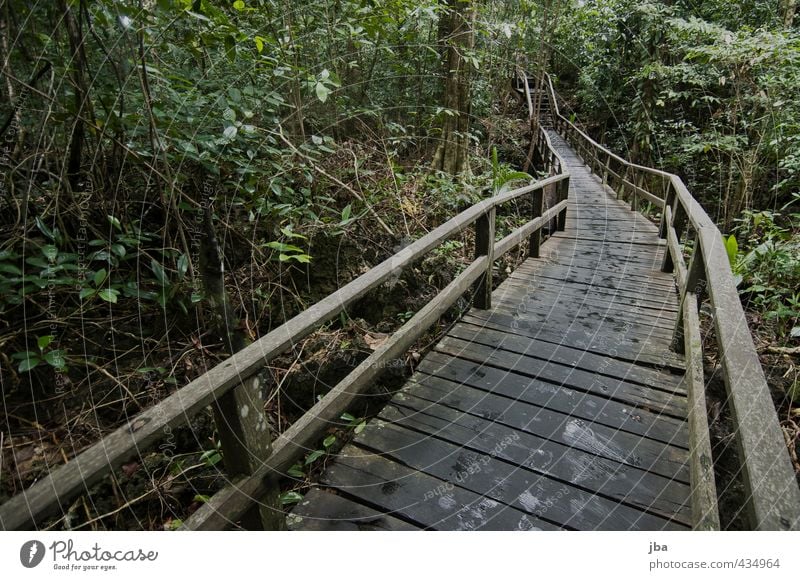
{"x":234,"y":389}
{"x":771,"y":487}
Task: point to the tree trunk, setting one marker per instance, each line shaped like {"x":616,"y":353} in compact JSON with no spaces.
{"x":788,"y":8}
{"x":457,"y":37}
{"x":78,"y":57}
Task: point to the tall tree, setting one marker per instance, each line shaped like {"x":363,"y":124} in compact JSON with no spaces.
{"x":457,"y":37}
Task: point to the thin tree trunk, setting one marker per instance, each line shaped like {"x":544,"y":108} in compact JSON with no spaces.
{"x":78,"y":58}
{"x":789,"y":8}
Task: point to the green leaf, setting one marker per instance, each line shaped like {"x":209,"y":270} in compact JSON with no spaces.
{"x":50,"y":252}
{"x":115,"y":222}
{"x":55,"y":358}
{"x":314,"y":455}
{"x":239,"y":5}
{"x":347,"y":417}
{"x":86,"y":292}
{"x":109,"y":295}
{"x":119,"y":250}
{"x":360,"y":427}
{"x":322,"y":92}
{"x":44,"y":229}
{"x":158,"y":270}
{"x":296,"y":471}
{"x":290,"y":497}
{"x":230,"y":133}
{"x":44,"y":341}
{"x":211,"y":457}
{"x":99,"y":277}
{"x":28,"y":363}
{"x":183,"y":265}
{"x":732,"y":248}
{"x":201,"y":498}
{"x":259,"y":43}
{"x":329,"y":440}
{"x":10,"y":269}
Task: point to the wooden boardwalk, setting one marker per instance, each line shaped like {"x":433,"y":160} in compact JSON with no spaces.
{"x":562,"y":407}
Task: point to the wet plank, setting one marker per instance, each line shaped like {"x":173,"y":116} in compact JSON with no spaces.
{"x":576,"y":467}
{"x":613,"y":444}
{"x":548,"y":499}
{"x":324,"y":510}
{"x":588,"y":407}
{"x":390,"y":487}
{"x":649,"y":377}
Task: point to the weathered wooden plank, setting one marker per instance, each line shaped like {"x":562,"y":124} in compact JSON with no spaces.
{"x":565,"y":275}
{"x":611,"y":264}
{"x":666,"y":305}
{"x":586,"y":321}
{"x":537,"y":495}
{"x":412,"y":495}
{"x":632,"y":321}
{"x":634,"y":450}
{"x":597,"y":342}
{"x":637,"y":313}
{"x":571,"y":357}
{"x":572,"y":466}
{"x":562,"y":374}
{"x":325,"y":510}
{"x":518,"y":388}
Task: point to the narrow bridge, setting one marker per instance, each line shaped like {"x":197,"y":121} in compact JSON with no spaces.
{"x":570,"y":397}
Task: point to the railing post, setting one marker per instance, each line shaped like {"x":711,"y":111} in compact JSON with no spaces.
{"x":678,"y":223}
{"x":621,"y":187}
{"x":668,"y":200}
{"x":245,"y":438}
{"x":484,"y":246}
{"x":695,"y":282}
{"x":536,"y":237}
{"x":563,"y":190}
{"x":606,"y":167}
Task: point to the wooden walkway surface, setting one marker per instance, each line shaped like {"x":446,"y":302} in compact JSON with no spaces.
{"x":562,"y":407}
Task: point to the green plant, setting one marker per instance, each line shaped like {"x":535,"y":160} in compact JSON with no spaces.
{"x":503,"y":175}
{"x":28,"y":360}
{"x":287,"y":252}
{"x":770,"y":268}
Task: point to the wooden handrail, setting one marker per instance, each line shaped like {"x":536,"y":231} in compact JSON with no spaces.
{"x":46,"y":496}
{"x":773,"y":495}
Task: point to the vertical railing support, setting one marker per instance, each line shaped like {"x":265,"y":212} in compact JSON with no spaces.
{"x":563,"y":193}
{"x":245,"y":439}
{"x":484,"y":246}
{"x":678,"y":223}
{"x":669,"y":199}
{"x":695,"y":283}
{"x":536,"y":237}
